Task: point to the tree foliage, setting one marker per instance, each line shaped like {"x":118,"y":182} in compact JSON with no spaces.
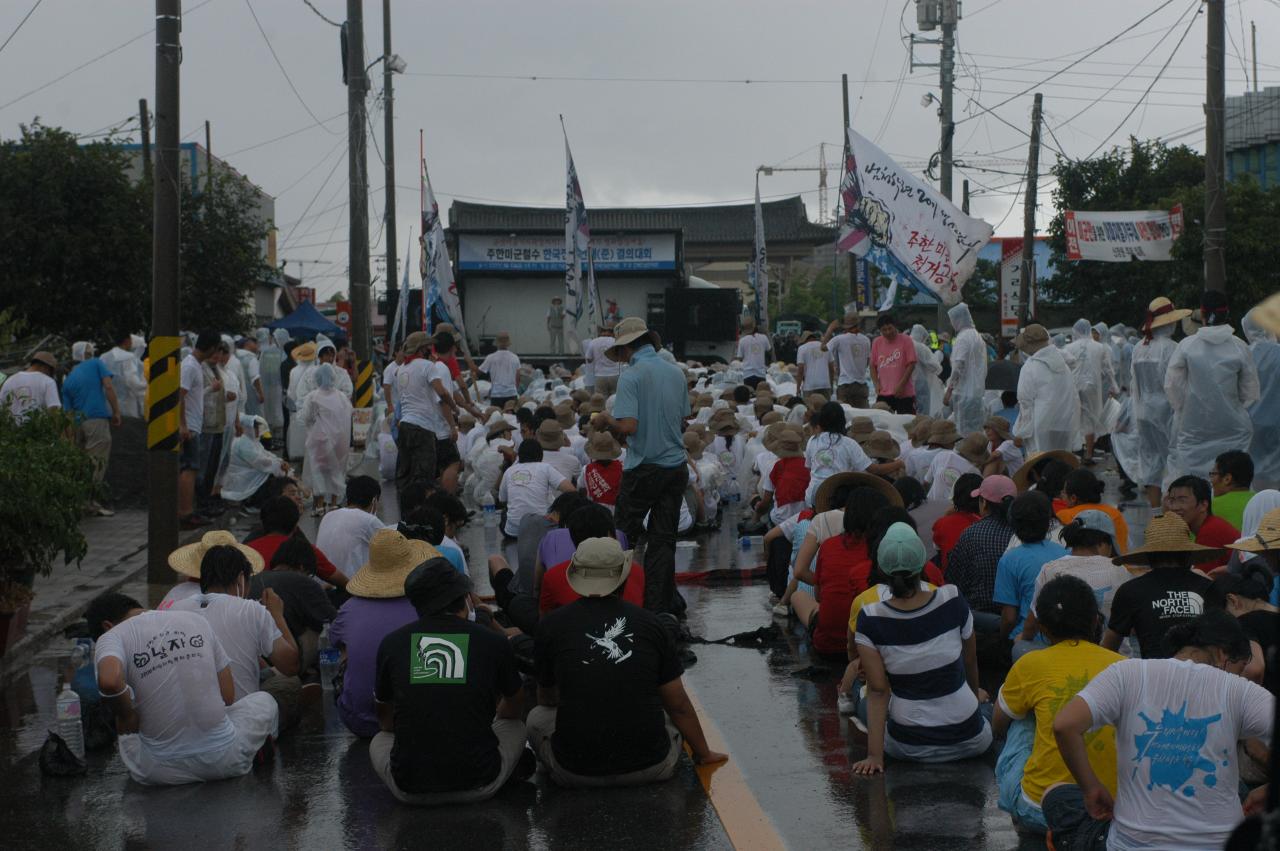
{"x":77,"y":226}
{"x":1154,"y":176}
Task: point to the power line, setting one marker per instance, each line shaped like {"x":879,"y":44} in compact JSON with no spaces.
{"x":321,"y":16}
{"x":1134,"y":108}
{"x":89,"y":62}
{"x":285,"y":73}
{"x":283,"y":136}
{"x":19,"y":26}
{"x":318,"y":163}
{"x":1106,"y":43}
{"x":307,"y":209}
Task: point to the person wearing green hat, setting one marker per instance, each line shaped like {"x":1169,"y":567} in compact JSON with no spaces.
{"x":945,"y":718}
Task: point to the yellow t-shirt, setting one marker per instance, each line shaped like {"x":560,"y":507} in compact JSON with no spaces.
{"x":1044,"y":681}
{"x":874,"y":594}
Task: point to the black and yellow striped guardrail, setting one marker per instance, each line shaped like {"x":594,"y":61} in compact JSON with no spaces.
{"x":163,"y":381}
{"x":363,"y":397}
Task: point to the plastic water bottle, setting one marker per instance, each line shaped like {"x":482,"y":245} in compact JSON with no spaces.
{"x":69,"y":727}
{"x":745,"y":542}
{"x":328,"y":659}
{"x":490,"y":510}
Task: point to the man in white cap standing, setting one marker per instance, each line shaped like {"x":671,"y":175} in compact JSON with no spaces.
{"x":648,"y":415}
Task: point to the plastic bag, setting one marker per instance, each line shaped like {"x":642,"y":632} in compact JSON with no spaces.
{"x":57,"y":760}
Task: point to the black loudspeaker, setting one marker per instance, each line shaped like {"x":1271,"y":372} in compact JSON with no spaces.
{"x":702,"y":314}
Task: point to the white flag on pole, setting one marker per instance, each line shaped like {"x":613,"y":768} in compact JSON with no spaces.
{"x":577,"y":245}
{"x":437,"y":271}
{"x":759,"y":270}
{"x":398,"y":325}
{"x":904,"y":226}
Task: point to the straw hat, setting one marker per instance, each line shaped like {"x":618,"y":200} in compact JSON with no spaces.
{"x":748,"y":325}
{"x":763,"y":403}
{"x":974,"y":449}
{"x":416,"y":341}
{"x":1267,"y":314}
{"x":498,"y":425}
{"x":45,"y":359}
{"x":807,"y":336}
{"x":789,"y":443}
{"x":999,"y":425}
{"x":700,"y":429}
{"x":599,"y":567}
{"x":815,"y":401}
{"x":920,"y":434}
{"x":602,"y":447}
{"x":565,"y":415}
{"x":1022,"y":478}
{"x":392,"y":557}
{"x":593,"y":405}
{"x":1266,"y":539}
{"x":770,"y":418}
{"x":1168,"y":533}
{"x":1162,"y":312}
{"x":186,"y":560}
{"x":850,"y":322}
{"x":502,"y":338}
{"x":862,"y":428}
{"x":628,"y":331}
{"x":881,"y":446}
{"x":1032,"y":339}
{"x":943,"y":433}
{"x":769,"y":437}
{"x":724,"y":422}
{"x":693,"y":445}
{"x":550,"y":435}
{"x":827,"y":490}
{"x":305,"y":353}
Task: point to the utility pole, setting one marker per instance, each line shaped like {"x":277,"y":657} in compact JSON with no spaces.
{"x":1029,"y":218}
{"x":162,"y":411}
{"x":964,"y":197}
{"x":389,"y":143}
{"x":144,"y":125}
{"x":358,"y":180}
{"x":946,"y":81}
{"x":1215,"y":165}
{"x":1253,"y":31}
{"x":208,"y":159}
{"x":854,"y":295}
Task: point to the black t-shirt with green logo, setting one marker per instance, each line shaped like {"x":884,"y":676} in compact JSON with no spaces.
{"x":445,"y":676}
{"x":607,"y":658}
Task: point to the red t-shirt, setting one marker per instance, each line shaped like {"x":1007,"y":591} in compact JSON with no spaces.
{"x":790,"y":480}
{"x":556,"y":591}
{"x":452,"y":362}
{"x":842,"y":572}
{"x":602,"y":480}
{"x":932,"y":573}
{"x":268,"y":544}
{"x":1216,"y":532}
{"x":947,"y":531}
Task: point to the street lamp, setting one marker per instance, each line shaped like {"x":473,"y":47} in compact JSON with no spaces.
{"x":395,"y":64}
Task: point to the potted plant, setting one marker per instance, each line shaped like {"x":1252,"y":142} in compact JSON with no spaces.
{"x":45,"y":482}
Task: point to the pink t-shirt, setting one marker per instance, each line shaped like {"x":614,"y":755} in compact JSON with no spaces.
{"x":891,"y":359}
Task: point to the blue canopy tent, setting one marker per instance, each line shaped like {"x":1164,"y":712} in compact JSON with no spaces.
{"x":306,"y":322}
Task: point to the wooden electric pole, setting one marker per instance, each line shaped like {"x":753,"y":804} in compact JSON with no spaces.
{"x":144,"y":125}
{"x":358,"y":180}
{"x":389,"y":144}
{"x":1029,"y":218}
{"x":1215,"y":163}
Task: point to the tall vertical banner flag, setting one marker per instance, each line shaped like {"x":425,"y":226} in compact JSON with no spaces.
{"x":400,"y":324}
{"x":759,"y":271}
{"x":577,"y":245}
{"x":436,"y":270}
{"x":905,"y":227}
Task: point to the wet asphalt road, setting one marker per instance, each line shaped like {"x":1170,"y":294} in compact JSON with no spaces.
{"x":793,"y":749}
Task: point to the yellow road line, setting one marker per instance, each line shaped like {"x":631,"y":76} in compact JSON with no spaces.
{"x":748,"y":827}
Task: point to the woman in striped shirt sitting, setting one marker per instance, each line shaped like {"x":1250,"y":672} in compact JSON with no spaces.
{"x":920,"y":661}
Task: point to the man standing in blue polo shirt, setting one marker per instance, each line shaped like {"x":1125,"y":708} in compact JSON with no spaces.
{"x":649,"y":411}
{"x":89,"y":395}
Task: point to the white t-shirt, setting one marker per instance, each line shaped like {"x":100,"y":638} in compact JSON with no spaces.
{"x":389,"y":378}
{"x":752,"y":349}
{"x":245,"y":629}
{"x":416,"y":398}
{"x":946,"y":467}
{"x":181,"y":591}
{"x":1012,"y":457}
{"x":601,"y":366}
{"x":565,"y":462}
{"x":192,"y":381}
{"x":851,"y":351}
{"x":26,"y":391}
{"x":918,"y":460}
{"x":171,"y":662}
{"x":528,"y":488}
{"x":344,"y":536}
{"x":828,"y":454}
{"x":1177,"y":723}
{"x":1095,"y":571}
{"x":501,"y":367}
{"x":816,"y":362}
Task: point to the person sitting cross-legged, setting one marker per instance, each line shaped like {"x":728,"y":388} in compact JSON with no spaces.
{"x":612,"y":709}
{"x":168,"y":682}
{"x":448,"y":698}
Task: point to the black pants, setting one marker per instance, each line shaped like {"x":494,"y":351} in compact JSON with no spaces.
{"x":778,"y":565}
{"x":500,"y":401}
{"x":900,"y":404}
{"x":417,"y":455}
{"x":752,"y":380}
{"x":656,"y":491}
{"x":521,"y":609}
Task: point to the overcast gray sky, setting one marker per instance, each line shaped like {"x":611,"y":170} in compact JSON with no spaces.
{"x":649,"y":120}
